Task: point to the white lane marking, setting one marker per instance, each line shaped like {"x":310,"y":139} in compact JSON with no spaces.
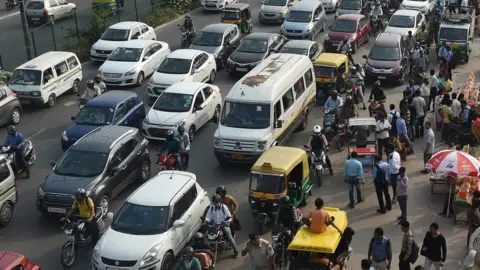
{"x":69,"y":103}
{"x":9,"y":15}
{"x":36,"y":133}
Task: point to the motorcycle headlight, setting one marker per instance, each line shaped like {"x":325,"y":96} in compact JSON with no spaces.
{"x":275,"y":238}
{"x":261,"y":145}
{"x":96,"y":253}
{"x":131,"y":72}
{"x":64,"y":136}
{"x":211,"y":236}
{"x":152,"y":255}
{"x":217,"y":142}
{"x":252,"y":202}
{"x":40,"y":193}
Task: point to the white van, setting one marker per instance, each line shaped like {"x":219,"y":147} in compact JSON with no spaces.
{"x":41,"y":80}
{"x":8,"y":192}
{"x":265,"y":107}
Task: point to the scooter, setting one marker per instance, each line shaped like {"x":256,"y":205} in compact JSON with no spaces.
{"x":330,"y":124}
{"x":28,"y":152}
{"x":166,"y":162}
{"x":187,"y":36}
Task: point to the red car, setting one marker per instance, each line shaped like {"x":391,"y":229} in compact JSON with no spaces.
{"x":355,"y":26}
{"x":15,"y":261}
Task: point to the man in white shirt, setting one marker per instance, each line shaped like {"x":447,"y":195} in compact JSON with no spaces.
{"x":394,"y":164}
{"x":219,"y":214}
{"x":464,"y":7}
{"x":456,"y":106}
{"x":433,"y":84}
{"x":420,"y":108}
{"x":382,"y":128}
{"x":428,"y":144}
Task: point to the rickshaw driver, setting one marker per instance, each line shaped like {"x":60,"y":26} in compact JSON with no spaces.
{"x":244,"y":21}
{"x":318,"y":219}
{"x":317,"y":144}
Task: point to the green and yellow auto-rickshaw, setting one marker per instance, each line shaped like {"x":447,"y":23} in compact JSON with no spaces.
{"x":239,"y":14}
{"x":111,"y":5}
{"x":330,"y":71}
{"x":279,"y":172}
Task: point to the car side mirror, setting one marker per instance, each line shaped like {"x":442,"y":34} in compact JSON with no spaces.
{"x":364,"y":57}
{"x":279,"y":124}
{"x":110,"y":216}
{"x":135,"y":37}
{"x":198,"y":108}
{"x":53,"y":163}
{"x":117,"y":169}
{"x":145,"y":58}
{"x":72,"y":118}
{"x":178,"y":223}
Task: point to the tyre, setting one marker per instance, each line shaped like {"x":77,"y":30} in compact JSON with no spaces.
{"x":319,"y":175}
{"x":73,"y":11}
{"x":103,"y":202}
{"x":340,"y":144}
{"x":216,"y":114}
{"x":51,"y":19}
{"x":75,"y":87}
{"x":6,"y":214}
{"x":191,"y":133}
{"x":211,"y":79}
{"x":68,"y":255}
{"x":167,"y":261}
{"x":52,"y":100}
{"x":140,"y":79}
{"x":145,"y":171}
{"x":16,"y":116}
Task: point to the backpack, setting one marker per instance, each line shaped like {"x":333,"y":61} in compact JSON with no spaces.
{"x":394,"y":122}
{"x":415,"y":251}
{"x":380,"y":176}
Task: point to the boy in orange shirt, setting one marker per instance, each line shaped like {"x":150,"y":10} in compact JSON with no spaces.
{"x":319,"y":219}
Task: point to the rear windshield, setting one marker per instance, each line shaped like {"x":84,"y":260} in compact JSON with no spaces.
{"x":35,"y":5}
{"x":453,"y":34}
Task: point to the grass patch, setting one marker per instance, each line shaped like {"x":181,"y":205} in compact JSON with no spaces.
{"x":161,"y":16}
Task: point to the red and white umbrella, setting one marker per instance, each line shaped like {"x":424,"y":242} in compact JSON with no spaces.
{"x":453,"y":162}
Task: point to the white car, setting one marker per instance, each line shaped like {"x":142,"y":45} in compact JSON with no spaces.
{"x":188,"y":104}
{"x":424,"y":6}
{"x":149,"y":230}
{"x":133,"y":61}
{"x":116,"y":35}
{"x":185,"y":65}
{"x":405,"y":20}
{"x":330,"y":5}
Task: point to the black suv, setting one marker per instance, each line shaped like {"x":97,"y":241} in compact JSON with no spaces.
{"x":103,"y":162}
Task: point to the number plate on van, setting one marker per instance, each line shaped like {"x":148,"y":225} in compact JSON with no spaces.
{"x":238,"y":156}
{"x":57,"y":210}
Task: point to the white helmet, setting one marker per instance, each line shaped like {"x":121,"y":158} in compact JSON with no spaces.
{"x":317,"y":129}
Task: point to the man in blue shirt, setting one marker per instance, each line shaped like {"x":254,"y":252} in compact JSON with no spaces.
{"x":380,"y":175}
{"x":465,"y":115}
{"x":174,"y":148}
{"x":332,"y":103}
{"x":16,"y":141}
{"x":402,"y":130}
{"x":353,"y":175}
{"x":442,"y":51}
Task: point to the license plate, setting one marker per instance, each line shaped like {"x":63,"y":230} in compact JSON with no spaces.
{"x":242,"y":69}
{"x":57,"y":210}
{"x":25,"y":102}
{"x":35,"y":19}
{"x":238,"y":156}
{"x":382,"y":77}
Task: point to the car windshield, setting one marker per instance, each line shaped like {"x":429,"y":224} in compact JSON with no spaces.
{"x":299,"y":16}
{"x":78,"y":163}
{"x":384,"y":53}
{"x":126,"y":55}
{"x":324,"y":71}
{"x":350,"y":5}
{"x":253,"y":46}
{"x":246,"y":115}
{"x":268,"y":183}
{"x":278,"y":3}
{"x":402,"y":21}
{"x":453,"y":34}
{"x":116,"y":34}
{"x":175,"y":66}
{"x":94,"y":116}
{"x":294,"y":50}
{"x":230,"y":15}
{"x":26,"y":77}
{"x":173,"y":102}
{"x":141,"y":219}
{"x":345,"y":26}
{"x":208,"y":39}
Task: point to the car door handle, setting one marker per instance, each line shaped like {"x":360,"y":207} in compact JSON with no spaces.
{"x":139,"y":152}
{"x":189,"y":216}
{"x":200,"y":200}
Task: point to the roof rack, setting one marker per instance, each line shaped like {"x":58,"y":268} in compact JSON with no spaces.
{"x":459,"y":18}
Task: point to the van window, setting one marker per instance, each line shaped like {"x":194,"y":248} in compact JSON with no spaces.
{"x":287,"y":100}
{"x":4,"y":171}
{"x":47,"y":75}
{"x":61,"y":68}
{"x":308,"y":79}
{"x":299,"y":87}
{"x":72,"y":62}
{"x":277,"y":111}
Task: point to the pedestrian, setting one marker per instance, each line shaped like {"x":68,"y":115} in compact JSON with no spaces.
{"x":380,"y":179}
{"x":410,"y":89}
{"x":420,"y":108}
{"x":382,"y":128}
{"x":473,"y":217}
{"x":402,"y":187}
{"x":366,"y":264}
{"x":443,"y":68}
{"x":260,"y":252}
{"x":407,"y":244}
{"x":425,"y":90}
{"x":353,"y":176}
{"x":442,"y":51}
{"x":448,"y":203}
{"x":421,"y":62}
{"x":433,"y":84}
{"x":380,"y":251}
{"x":402,"y":130}
{"x":392,"y":118}
{"x":394,"y":164}
{"x":450,"y":62}
{"x":413,"y":118}
{"x":428,"y":144}
{"x":438,"y":110}
{"x":447,"y":119}
{"x":434,"y":248}
{"x":461,"y":97}
{"x":456,"y":106}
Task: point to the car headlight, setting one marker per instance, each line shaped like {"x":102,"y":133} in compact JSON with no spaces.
{"x":99,"y":73}
{"x":64,"y":136}
{"x":327,"y":37}
{"x":36,"y":93}
{"x":131,"y":72}
{"x":217,"y":142}
{"x":152,"y":255}
{"x":145,"y":121}
{"x":96,"y":253}
{"x":336,"y":14}
{"x":396,"y":69}
{"x":92,"y":50}
{"x":180,"y":123}
{"x":40,"y":192}
{"x":215,"y":53}
{"x":261,"y":145}
{"x":367,"y":66}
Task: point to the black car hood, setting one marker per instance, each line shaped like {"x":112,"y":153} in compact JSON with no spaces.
{"x":55,"y":183}
{"x":247,"y":58}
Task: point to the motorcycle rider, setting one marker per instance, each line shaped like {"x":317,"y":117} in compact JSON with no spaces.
{"x":188,"y":261}
{"x":377,"y":14}
{"x":86,"y":212}
{"x":91,"y":91}
{"x":219,"y":214}
{"x":100,"y":84}
{"x":189,"y":26}
{"x":174,"y":148}
{"x":332,"y":104}
{"x":16,"y":142}
{"x":349,"y":110}
{"x":377,"y":95}
{"x":287,"y":214}
{"x":344,"y":45}
{"x":231,"y":203}
{"x":317,"y":144}
{"x":356,"y":79}
{"x":185,"y":145}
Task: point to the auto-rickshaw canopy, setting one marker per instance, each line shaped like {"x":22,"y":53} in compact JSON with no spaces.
{"x":281,"y":160}
{"x":332,"y":59}
{"x":236,"y":11}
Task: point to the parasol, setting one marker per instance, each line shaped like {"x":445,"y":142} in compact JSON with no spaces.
{"x":453,"y":163}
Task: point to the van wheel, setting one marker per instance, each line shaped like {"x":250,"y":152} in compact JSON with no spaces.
{"x":52,"y":100}
{"x":6,"y":214}
{"x":304,"y":124}
{"x":16,"y":116}
{"x":75,"y":87}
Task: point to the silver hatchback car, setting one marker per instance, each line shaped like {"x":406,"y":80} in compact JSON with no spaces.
{"x":305,"y":20}
{"x":42,"y":11}
{"x":275,"y":11}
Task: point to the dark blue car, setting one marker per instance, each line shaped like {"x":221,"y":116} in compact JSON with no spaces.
{"x":119,"y":108}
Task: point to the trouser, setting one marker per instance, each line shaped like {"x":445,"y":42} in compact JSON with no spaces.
{"x":449,"y":70}
{"x":382,"y":190}
{"x":393,"y":182}
{"x":179,"y":165}
{"x":93,"y":231}
{"x":404,"y":139}
{"x":411,"y":129}
{"x":445,"y":130}
{"x":379,"y":265}
{"x":402,"y":203}
{"x":403,"y":265}
{"x":232,"y":227}
{"x":185,"y":158}
{"x":21,"y":162}
{"x":426,"y":157}
{"x":229,"y":236}
{"x":428,"y":265}
{"x":431,"y":100}
{"x":449,"y":197}
{"x":419,"y":128}
{"x":354,"y":184}
{"x":382,"y":144}
{"x":451,"y":8}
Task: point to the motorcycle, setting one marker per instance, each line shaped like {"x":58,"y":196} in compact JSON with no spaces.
{"x":376,"y":26}
{"x":10,"y":4}
{"x":28,"y":152}
{"x":375,"y":107}
{"x":216,"y":238}
{"x":166,"y":162}
{"x":76,"y":238}
{"x":317,"y":163}
{"x":330,"y":124}
{"x":187,"y":36}
{"x":281,"y":238}
{"x":345,"y":135}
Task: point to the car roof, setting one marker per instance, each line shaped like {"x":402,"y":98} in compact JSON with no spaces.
{"x":137,"y":43}
{"x":350,"y":17}
{"x":306,"y":5}
{"x":46,"y":60}
{"x":260,"y":36}
{"x":8,"y":258}
{"x":110,"y":99}
{"x":406,"y":12}
{"x":388,"y":40}
{"x":217,"y":27}
{"x":188,"y":88}
{"x":184,"y":53}
{"x":125,"y":25}
{"x":170,"y":183}
{"x":103,"y":138}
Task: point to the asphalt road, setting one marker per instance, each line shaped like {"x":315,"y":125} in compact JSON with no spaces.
{"x":49,"y":37}
{"x":41,"y":239}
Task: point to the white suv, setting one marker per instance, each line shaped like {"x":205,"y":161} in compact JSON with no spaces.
{"x":154,"y":224}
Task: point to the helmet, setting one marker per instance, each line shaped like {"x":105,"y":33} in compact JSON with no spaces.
{"x":317,"y":129}
{"x":80,"y":194}
{"x":90,"y":84}
{"x":334,"y":92}
{"x":377,"y":83}
{"x":348,"y":98}
{"x":187,"y":17}
{"x":353,"y":68}
{"x":169,"y":136}
{"x":188,"y":252}
{"x":11,"y":130}
{"x":216,"y":199}
{"x":98,"y":79}
{"x":181,"y":130}
{"x":221,"y":190}
{"x":198,"y":238}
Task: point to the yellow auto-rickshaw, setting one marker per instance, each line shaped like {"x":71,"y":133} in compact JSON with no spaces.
{"x":239,"y":14}
{"x":330,"y":71}
{"x":319,"y":251}
{"x":280,"y":171}
{"x":111,"y":5}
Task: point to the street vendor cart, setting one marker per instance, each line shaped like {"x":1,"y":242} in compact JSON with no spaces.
{"x":364,"y":143}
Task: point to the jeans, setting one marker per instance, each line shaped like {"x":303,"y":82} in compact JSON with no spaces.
{"x":393,"y":182}
{"x":428,"y":265}
{"x":379,"y":265}
{"x":382,"y":190}
{"x":419,"y":128}
{"x":229,"y":236}
{"x":185,"y":157}
{"x":402,"y":202}
{"x":449,"y":197}
{"x":431,"y":100}
{"x":382,"y":144}
{"x":179,"y":165}
{"x":411,"y":129}
{"x":354,"y":183}
{"x":403,"y":265}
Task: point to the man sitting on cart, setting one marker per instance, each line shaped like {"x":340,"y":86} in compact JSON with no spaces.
{"x":318,"y":219}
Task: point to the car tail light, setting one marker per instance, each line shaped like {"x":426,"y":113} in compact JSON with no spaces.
{"x":45,"y":12}
{"x":14,"y":94}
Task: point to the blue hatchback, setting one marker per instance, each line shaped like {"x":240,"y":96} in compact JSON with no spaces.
{"x":119,"y":108}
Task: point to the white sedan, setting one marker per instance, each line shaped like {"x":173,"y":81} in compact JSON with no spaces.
{"x":185,"y":65}
{"x":116,"y":35}
{"x":130,"y":63}
{"x":188,"y":104}
{"x":405,"y":20}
